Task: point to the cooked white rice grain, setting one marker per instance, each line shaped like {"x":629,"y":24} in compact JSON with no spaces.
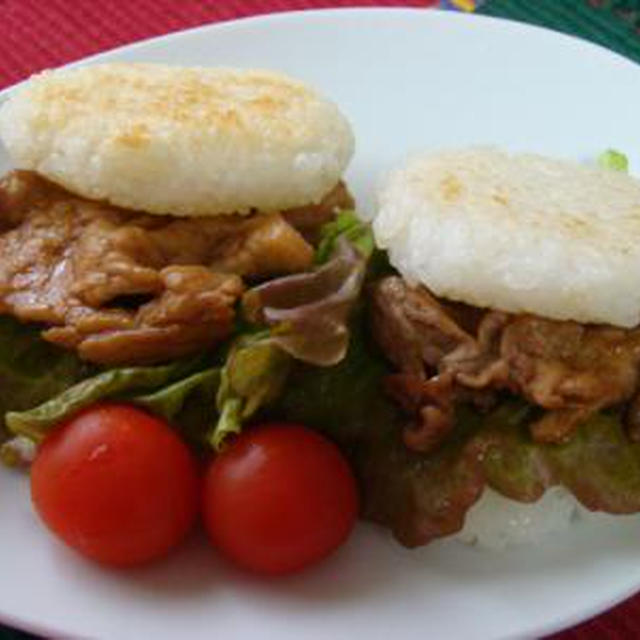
{"x":496,"y":522}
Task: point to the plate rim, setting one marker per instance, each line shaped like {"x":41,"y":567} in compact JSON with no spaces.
{"x":282,"y":16}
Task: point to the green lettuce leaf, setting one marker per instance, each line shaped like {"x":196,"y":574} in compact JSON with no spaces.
{"x":301,"y":317}
{"x":612,"y":159}
{"x":308,"y":313}
{"x":599,"y":465}
{"x":32,"y":370}
{"x":423,"y":497}
{"x":123,"y":383}
{"x":347,"y":225}
{"x":169,"y":401}
{"x":207,"y":402}
{"x":252,"y":377}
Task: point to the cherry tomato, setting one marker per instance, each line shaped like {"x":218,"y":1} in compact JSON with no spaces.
{"x":280,"y":498}
{"x":116,"y":484}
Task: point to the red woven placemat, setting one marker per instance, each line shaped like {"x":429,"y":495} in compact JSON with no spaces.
{"x":36,"y":34}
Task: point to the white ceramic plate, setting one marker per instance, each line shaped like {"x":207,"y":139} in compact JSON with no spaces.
{"x":407,"y":79}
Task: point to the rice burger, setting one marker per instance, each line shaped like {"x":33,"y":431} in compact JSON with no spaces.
{"x":146,"y":196}
{"x":173,"y":242}
{"x":512,"y":325}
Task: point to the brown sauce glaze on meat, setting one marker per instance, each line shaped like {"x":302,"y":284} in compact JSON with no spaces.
{"x":127,"y":287}
{"x":570,"y":369}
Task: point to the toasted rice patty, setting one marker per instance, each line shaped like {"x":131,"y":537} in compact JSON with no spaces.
{"x":520,"y":233}
{"x":185,"y":141}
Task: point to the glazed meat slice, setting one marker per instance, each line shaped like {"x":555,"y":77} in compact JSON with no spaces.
{"x":569,"y":368}
{"x":124,"y":287}
{"x":412,"y":326}
{"x":193,"y":310}
{"x":446,"y":354}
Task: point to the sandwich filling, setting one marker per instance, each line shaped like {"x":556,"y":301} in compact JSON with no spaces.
{"x":448,"y":353}
{"x":123,"y":287}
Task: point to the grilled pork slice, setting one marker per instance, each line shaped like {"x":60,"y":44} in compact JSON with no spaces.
{"x":127,"y":287}
{"x":449,"y":352}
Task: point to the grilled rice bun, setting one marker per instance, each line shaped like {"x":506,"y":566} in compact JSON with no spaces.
{"x":175,"y":140}
{"x":519,"y":233}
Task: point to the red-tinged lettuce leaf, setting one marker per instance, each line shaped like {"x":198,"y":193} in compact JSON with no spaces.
{"x":599,"y":465}
{"x":419,"y":497}
{"x":308,"y":313}
{"x":416,"y":496}
{"x":302,"y":317}
{"x":423,"y":497}
{"x":512,"y":463}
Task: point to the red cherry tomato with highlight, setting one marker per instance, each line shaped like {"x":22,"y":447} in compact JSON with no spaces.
{"x":280,"y":498}
{"x":116,"y":484}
